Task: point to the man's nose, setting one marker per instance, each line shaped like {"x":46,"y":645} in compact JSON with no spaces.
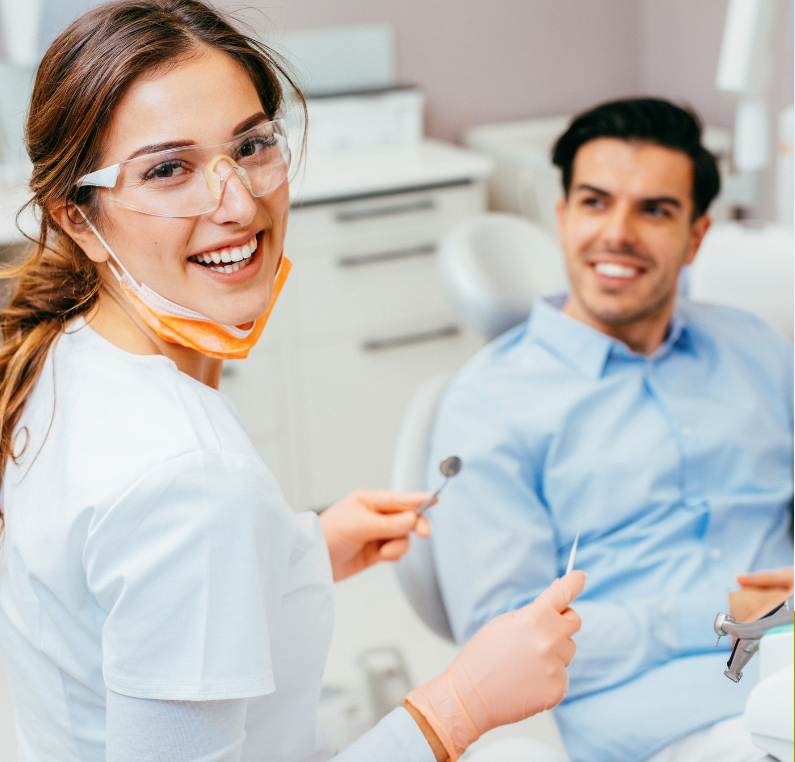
{"x":236,"y":203}
{"x":619,"y":230}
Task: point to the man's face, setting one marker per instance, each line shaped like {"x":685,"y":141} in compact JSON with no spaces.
{"x":626,"y":229}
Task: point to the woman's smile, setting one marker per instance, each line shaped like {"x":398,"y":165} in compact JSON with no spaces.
{"x":231,"y":264}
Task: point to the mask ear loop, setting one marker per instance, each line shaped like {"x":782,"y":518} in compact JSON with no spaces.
{"x":108,"y":249}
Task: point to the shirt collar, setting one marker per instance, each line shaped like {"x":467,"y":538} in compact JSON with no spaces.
{"x":587,"y":350}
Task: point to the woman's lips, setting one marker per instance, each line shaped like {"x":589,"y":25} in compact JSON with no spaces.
{"x":233,"y":272}
{"x":228,"y":259}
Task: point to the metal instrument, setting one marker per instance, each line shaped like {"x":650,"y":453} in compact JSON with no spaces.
{"x":749,"y":634}
{"x":449,"y":468}
{"x":573,"y":554}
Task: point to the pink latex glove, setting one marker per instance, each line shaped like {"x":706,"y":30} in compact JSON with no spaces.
{"x":513,"y":668}
{"x":371,"y":525}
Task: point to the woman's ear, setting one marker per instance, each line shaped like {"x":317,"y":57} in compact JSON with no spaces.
{"x":65,"y":214}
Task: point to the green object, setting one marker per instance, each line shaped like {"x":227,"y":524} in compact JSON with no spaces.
{"x":782,"y":628}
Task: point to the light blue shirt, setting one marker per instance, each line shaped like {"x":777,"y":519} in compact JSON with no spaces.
{"x":683,"y":461}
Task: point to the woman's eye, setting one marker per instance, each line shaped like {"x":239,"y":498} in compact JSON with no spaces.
{"x":165,"y":171}
{"x":256,"y":145}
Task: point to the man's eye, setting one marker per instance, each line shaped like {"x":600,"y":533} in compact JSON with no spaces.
{"x":657,"y":211}
{"x":593,"y":201}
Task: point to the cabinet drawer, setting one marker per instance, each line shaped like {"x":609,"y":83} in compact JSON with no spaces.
{"x":401,"y":219}
{"x":389,"y":287}
{"x":352,"y":403}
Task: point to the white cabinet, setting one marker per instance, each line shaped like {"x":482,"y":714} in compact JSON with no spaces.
{"x":361,"y":323}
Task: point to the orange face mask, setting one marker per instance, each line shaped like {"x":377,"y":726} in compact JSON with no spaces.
{"x":179,"y":325}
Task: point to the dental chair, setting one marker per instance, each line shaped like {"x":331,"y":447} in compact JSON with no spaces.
{"x":492,"y":267}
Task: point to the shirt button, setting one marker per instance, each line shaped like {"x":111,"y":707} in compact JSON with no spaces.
{"x":715,"y":553}
{"x":684,"y":431}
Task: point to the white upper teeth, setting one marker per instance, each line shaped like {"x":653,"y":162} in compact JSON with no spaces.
{"x":228,"y":257}
{"x":613,"y":270}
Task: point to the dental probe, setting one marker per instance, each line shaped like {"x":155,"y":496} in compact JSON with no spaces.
{"x":449,"y":467}
{"x":573,"y":553}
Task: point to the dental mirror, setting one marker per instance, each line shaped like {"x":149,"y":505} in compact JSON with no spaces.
{"x":449,"y":467}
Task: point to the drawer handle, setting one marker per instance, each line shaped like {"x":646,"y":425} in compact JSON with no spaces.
{"x":387,"y":256}
{"x":395,"y":342}
{"x":385,"y":211}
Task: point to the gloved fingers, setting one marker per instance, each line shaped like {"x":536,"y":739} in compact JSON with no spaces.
{"x":386,"y":526}
{"x":422,"y":526}
{"x":571,"y":622}
{"x":566,"y":650}
{"x":563,"y":591}
{"x":393,"y":550}
{"x":387,"y":501}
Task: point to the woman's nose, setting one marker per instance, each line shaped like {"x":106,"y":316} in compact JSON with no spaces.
{"x":236,"y":203}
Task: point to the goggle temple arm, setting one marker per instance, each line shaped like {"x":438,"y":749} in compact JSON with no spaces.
{"x":102,"y":178}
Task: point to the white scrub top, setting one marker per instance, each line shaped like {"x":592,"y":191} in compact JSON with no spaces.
{"x":147,"y":549}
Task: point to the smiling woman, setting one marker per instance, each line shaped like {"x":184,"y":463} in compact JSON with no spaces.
{"x":158,"y":599}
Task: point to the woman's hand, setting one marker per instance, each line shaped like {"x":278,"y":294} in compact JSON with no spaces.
{"x":369,"y":526}
{"x":512,"y":668}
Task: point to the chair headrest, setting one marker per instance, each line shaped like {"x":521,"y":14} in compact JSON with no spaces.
{"x":494,"y":265}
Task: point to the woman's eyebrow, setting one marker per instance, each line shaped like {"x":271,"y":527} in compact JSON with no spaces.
{"x":244,"y":126}
{"x":252,"y":121}
{"x":158,"y":147}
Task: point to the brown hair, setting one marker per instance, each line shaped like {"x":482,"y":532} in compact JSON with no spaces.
{"x":80,"y":80}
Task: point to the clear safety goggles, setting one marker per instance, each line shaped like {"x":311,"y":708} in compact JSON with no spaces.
{"x":189,"y":181}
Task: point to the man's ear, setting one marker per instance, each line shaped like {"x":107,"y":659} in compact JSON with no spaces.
{"x":697,"y":233}
{"x":560,"y":211}
{"x":72,"y":223}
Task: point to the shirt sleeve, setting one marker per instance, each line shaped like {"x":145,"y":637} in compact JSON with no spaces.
{"x":143,"y":730}
{"x":396,"y":738}
{"x":496,"y":549}
{"x":190,"y":566}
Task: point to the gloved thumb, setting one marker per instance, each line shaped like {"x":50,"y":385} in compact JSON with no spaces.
{"x":563,"y":591}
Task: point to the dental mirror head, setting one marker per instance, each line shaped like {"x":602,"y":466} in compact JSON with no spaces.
{"x":449,"y":467}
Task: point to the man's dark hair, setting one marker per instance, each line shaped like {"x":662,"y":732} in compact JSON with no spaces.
{"x":643,"y":119}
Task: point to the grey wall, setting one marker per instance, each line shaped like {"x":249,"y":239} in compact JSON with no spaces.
{"x":483,"y":61}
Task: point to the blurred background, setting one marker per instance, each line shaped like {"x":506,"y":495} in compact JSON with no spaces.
{"x":423,"y":116}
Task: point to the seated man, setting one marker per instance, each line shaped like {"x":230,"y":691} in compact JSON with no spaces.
{"x":670,"y":423}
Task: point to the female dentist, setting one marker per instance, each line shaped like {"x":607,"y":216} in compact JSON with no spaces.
{"x":158,"y":599}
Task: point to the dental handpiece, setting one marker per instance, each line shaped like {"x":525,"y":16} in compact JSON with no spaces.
{"x":449,"y":468}
{"x":573,"y":554}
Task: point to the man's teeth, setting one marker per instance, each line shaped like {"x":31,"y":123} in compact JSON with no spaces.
{"x":613,"y":270}
{"x":236,"y":257}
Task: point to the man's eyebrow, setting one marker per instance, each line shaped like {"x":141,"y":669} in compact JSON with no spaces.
{"x":244,"y":126}
{"x":592,"y":189}
{"x":670,"y":200}
{"x":663,"y":200}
